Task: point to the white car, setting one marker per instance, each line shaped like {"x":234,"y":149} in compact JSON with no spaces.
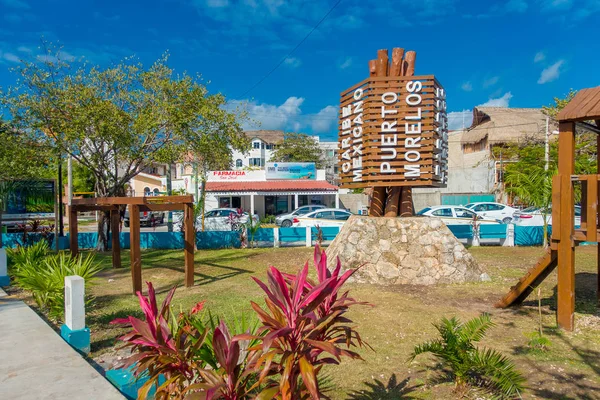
{"x":498,"y":211}
{"x":323,"y":217}
{"x":532,"y":216}
{"x":218,"y":219}
{"x":456,"y":215}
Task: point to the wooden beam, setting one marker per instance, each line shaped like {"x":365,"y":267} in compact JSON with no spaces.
{"x":115,"y":224}
{"x":591,"y":206}
{"x":566,"y":250}
{"x":406,"y":202}
{"x":135,"y":252}
{"x":189,"y":244}
{"x":134,"y":200}
{"x":598,"y":196}
{"x":162,"y":207}
{"x":73,"y":239}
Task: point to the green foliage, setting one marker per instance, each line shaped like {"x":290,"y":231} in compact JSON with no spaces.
{"x":252,"y":228}
{"x":268,"y":219}
{"x":45,"y":277}
{"x":469,"y":364}
{"x":20,"y":157}
{"x":559,"y":104}
{"x":298,"y":147}
{"x":23,"y":255}
{"x":538,"y":343}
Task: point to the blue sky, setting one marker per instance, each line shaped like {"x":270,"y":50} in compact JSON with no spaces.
{"x":517,"y":53}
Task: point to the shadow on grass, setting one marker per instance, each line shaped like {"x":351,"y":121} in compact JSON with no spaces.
{"x":378,"y":390}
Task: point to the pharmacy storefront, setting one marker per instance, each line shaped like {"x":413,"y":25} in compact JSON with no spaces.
{"x":278,"y":189}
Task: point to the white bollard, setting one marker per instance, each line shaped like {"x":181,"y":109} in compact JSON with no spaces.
{"x":308,"y":237}
{"x":510,"y":236}
{"x":4,"y":279}
{"x":275,"y":237}
{"x":74,"y":302}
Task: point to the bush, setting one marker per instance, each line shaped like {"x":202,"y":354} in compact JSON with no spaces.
{"x":471,"y":365}
{"x":45,"y":278}
{"x":267,"y":219}
{"x":303,"y":330}
{"x":33,"y":254}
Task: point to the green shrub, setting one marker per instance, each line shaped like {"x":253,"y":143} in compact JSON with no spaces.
{"x":267,"y":219}
{"x":33,"y":254}
{"x":472,"y":365}
{"x":538,"y":343}
{"x":45,"y":278}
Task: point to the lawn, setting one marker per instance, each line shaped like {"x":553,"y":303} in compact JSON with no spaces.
{"x":402,"y":316}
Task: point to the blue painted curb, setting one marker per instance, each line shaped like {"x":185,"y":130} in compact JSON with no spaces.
{"x":78,"y":339}
{"x":4,"y":280}
{"x":124,"y":380}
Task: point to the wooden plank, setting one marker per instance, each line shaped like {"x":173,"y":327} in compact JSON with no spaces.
{"x":530,"y":281}
{"x":583,"y":179}
{"x":189,"y":244}
{"x":383,"y":62}
{"x":115,"y":225}
{"x":396,"y":65}
{"x":584,"y":106}
{"x":566,"y":251}
{"x":591,"y":207}
{"x":556,"y":182}
{"x":162,"y":207}
{"x":133,"y":200}
{"x":73,"y":239}
{"x":135,"y":252}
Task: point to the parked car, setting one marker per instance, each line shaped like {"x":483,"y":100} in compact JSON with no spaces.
{"x":147,"y":218}
{"x":456,"y":215}
{"x":323,"y":217}
{"x":218,"y":219}
{"x":497,"y":211}
{"x":532,"y":216}
{"x":286,"y":220}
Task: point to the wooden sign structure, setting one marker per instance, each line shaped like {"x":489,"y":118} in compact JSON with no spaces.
{"x":584,"y":107}
{"x":393,"y":134}
{"x":137,"y":205}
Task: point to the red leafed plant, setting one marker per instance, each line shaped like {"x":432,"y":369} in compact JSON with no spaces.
{"x":162,"y":346}
{"x":304,"y":328}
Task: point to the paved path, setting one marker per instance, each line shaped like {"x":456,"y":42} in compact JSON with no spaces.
{"x":36,"y":363}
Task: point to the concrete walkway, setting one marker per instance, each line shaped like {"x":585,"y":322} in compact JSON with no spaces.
{"x":36,"y":363}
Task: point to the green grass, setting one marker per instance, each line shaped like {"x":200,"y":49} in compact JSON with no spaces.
{"x":401,"y":317}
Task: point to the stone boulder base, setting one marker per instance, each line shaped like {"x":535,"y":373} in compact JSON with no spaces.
{"x":415,"y":250}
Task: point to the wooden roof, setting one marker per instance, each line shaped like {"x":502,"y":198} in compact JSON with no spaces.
{"x":584,"y":106}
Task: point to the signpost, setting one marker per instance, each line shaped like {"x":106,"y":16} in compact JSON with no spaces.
{"x":393,"y":133}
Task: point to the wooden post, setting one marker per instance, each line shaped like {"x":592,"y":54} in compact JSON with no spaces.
{"x":115,"y":224}
{"x":406,"y":202}
{"x":598,"y":197}
{"x":135,"y":253}
{"x":379,"y":67}
{"x":566,"y":250}
{"x":73,"y":242}
{"x":189,"y":243}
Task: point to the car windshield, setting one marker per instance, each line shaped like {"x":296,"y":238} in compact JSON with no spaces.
{"x":423,"y":211}
{"x":530,"y":210}
{"x":301,"y":211}
{"x":470,"y":205}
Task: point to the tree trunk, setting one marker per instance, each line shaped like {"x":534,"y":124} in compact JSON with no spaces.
{"x":1,"y":226}
{"x":103,"y":231}
{"x":202,"y":200}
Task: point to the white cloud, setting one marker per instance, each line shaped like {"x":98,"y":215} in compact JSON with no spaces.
{"x":518,"y":6}
{"x":347,"y":63}
{"x":539,"y":57}
{"x":459,"y":119}
{"x":551,"y":73}
{"x":287,"y":116}
{"x":292,"y":62}
{"x":10,"y":57}
{"x":24,"y":49}
{"x":467,"y":86}
{"x":498,"y":102}
{"x":491,"y":81}
{"x":557,"y":5}
{"x":217,"y":3}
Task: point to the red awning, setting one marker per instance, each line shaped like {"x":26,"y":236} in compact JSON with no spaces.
{"x":270,"y":186}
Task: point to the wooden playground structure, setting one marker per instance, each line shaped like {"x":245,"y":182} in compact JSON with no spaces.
{"x":137,"y":205}
{"x":581,"y":110}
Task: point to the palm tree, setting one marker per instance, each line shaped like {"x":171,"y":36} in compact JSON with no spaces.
{"x":471,"y":365}
{"x":533,"y":188}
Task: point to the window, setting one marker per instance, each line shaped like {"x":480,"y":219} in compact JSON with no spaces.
{"x":330,"y":153}
{"x":210,"y":214}
{"x":256,"y":145}
{"x":442,"y":212}
{"x":340,"y":215}
{"x":495,"y":207}
{"x":238,"y":163}
{"x":255,"y":162}
{"x":464,"y":213}
{"x":480,"y":207}
{"x":146,"y":191}
{"x":423,"y":211}
{"x":302,"y":211}
{"x":155,"y":191}
{"x":324,"y":215}
{"x":270,"y":146}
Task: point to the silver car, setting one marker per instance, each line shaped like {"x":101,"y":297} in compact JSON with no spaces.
{"x":286,"y":220}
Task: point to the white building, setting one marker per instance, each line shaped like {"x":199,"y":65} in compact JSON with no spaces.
{"x":262,"y":145}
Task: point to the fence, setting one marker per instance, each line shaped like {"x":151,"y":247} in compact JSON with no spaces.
{"x":493,"y":234}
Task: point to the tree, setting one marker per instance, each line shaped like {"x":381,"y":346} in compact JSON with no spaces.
{"x":298,"y":147}
{"x":116,"y":121}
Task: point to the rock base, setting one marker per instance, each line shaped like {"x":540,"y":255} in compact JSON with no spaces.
{"x":415,"y":250}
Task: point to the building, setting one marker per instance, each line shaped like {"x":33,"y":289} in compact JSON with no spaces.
{"x":475,"y":159}
{"x":262,"y":145}
{"x":330,"y":161}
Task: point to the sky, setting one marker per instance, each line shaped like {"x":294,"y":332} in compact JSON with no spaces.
{"x":515,"y":53}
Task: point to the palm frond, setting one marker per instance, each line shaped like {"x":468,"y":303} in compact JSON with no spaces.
{"x":501,"y":371}
{"x":435,"y":347}
{"x":475,"y":329}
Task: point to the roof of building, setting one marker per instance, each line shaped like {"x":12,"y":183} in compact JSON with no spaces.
{"x":269,"y":186}
{"x":506,"y":125}
{"x":268,"y":136}
{"x":584,"y":106}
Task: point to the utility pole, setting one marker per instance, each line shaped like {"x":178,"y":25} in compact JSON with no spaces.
{"x":69,"y":180}
{"x":61,"y":227}
{"x":547,"y":145}
{"x":169,"y":193}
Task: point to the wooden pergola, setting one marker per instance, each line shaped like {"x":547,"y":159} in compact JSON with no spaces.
{"x":137,"y":205}
{"x":582,"y":111}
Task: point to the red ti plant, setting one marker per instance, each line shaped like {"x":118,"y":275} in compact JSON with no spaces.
{"x":162,"y":348}
{"x":304,"y":328}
